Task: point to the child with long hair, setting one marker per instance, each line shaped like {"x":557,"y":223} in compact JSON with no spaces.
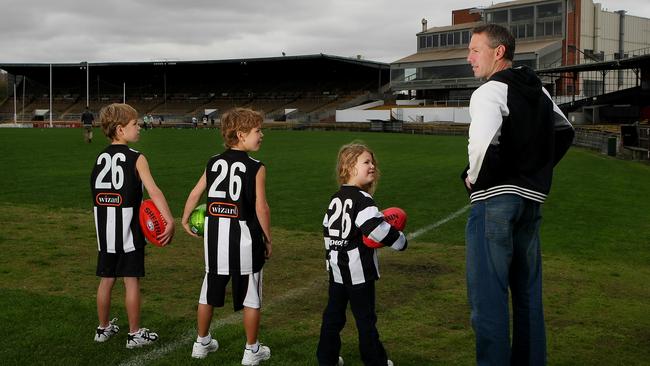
{"x":353,"y":267}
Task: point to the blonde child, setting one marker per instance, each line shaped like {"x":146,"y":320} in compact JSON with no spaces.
{"x":237,"y":232}
{"x":353,"y":266}
{"x":116,"y":183}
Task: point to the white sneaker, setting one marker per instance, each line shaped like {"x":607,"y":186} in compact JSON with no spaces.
{"x":389,"y":363}
{"x":103,"y":334}
{"x":201,"y":351}
{"x":340,"y":363}
{"x":253,"y":358}
{"x":141,"y":338}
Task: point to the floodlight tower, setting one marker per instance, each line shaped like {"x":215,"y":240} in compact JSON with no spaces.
{"x":85,"y":65}
{"x":87,"y":84}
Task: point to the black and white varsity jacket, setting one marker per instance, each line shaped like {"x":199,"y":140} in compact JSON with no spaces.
{"x":516,"y":136}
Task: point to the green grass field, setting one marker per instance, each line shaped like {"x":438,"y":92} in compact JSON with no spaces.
{"x":595,"y":243}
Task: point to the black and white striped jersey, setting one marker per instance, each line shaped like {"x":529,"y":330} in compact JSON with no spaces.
{"x":117,"y":195}
{"x":233,"y":238}
{"x":351,"y":214}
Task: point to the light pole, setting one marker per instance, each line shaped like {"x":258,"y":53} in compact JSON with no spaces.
{"x":87,"y":84}
{"x":22,"y":111}
{"x":165,"y":85}
{"x":85,"y":65}
{"x":15,"y":111}
{"x":51,"y":125}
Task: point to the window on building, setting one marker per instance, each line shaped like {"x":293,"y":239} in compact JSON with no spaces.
{"x":443,"y":40}
{"x":500,"y":16}
{"x":548,"y":28}
{"x":521,"y":30}
{"x":435,"y":40}
{"x":456,"y":38}
{"x":423,"y":41}
{"x":529,"y":30}
{"x":520,"y":14}
{"x":429,"y":41}
{"x":557,"y":27}
{"x":549,"y":10}
{"x":450,"y":39}
{"x":466,"y":37}
{"x":539,"y":31}
{"x":409,"y":74}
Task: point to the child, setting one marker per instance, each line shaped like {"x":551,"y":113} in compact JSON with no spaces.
{"x":353,"y":266}
{"x":237,"y":232}
{"x":116,"y":183}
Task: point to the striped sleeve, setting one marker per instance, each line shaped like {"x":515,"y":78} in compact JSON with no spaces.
{"x":372,"y":224}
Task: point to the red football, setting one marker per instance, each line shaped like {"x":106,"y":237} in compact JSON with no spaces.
{"x":151,"y":222}
{"x":396,"y":217}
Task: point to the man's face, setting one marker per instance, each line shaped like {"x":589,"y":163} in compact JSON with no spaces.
{"x":481,"y":56}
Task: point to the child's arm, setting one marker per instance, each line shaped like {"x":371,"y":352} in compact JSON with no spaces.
{"x":262,"y":208}
{"x":158,"y":198}
{"x":192,"y":201}
{"x":373,"y":225}
{"x":389,"y":236}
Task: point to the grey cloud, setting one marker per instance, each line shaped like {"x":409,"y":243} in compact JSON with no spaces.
{"x":143,"y":30}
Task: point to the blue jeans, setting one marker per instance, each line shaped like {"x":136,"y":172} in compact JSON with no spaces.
{"x":503,"y":251}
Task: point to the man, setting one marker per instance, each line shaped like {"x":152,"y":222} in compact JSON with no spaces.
{"x":87,"y":119}
{"x":516,"y":136}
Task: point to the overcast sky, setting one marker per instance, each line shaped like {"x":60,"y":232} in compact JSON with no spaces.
{"x":146,"y":30}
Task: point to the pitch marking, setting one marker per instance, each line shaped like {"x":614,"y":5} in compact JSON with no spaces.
{"x":188,"y":337}
{"x":425,"y":229}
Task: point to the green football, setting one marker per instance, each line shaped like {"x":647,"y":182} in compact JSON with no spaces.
{"x":197,"y":219}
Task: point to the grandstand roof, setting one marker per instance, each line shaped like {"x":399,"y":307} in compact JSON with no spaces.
{"x":627,"y":63}
{"x":19,"y":68}
{"x":513,"y":3}
{"x":461,"y":52}
{"x":320,"y":72}
{"x":452,"y":27}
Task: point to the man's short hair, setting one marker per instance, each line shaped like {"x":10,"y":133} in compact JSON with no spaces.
{"x":498,"y":35}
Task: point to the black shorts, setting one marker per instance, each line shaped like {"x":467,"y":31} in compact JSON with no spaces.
{"x":121,"y":264}
{"x":246,"y":290}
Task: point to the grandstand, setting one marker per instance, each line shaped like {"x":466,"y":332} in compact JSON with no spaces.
{"x":611,"y":99}
{"x":313,"y":85}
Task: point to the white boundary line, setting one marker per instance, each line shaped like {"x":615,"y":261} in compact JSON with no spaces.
{"x":187,"y":338}
{"x":425,"y":229}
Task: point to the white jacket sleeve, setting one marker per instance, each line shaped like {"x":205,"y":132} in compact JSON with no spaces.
{"x":487,"y":108}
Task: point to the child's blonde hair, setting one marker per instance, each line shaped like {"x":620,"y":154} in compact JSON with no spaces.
{"x":116,"y":114}
{"x":238,"y":120}
{"x":347,"y":159}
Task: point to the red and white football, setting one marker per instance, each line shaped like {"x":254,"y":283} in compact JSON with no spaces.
{"x":151,"y":222}
{"x":396,"y":217}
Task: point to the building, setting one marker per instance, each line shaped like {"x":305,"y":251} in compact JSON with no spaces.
{"x":310,"y":86}
{"x":549,"y":33}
